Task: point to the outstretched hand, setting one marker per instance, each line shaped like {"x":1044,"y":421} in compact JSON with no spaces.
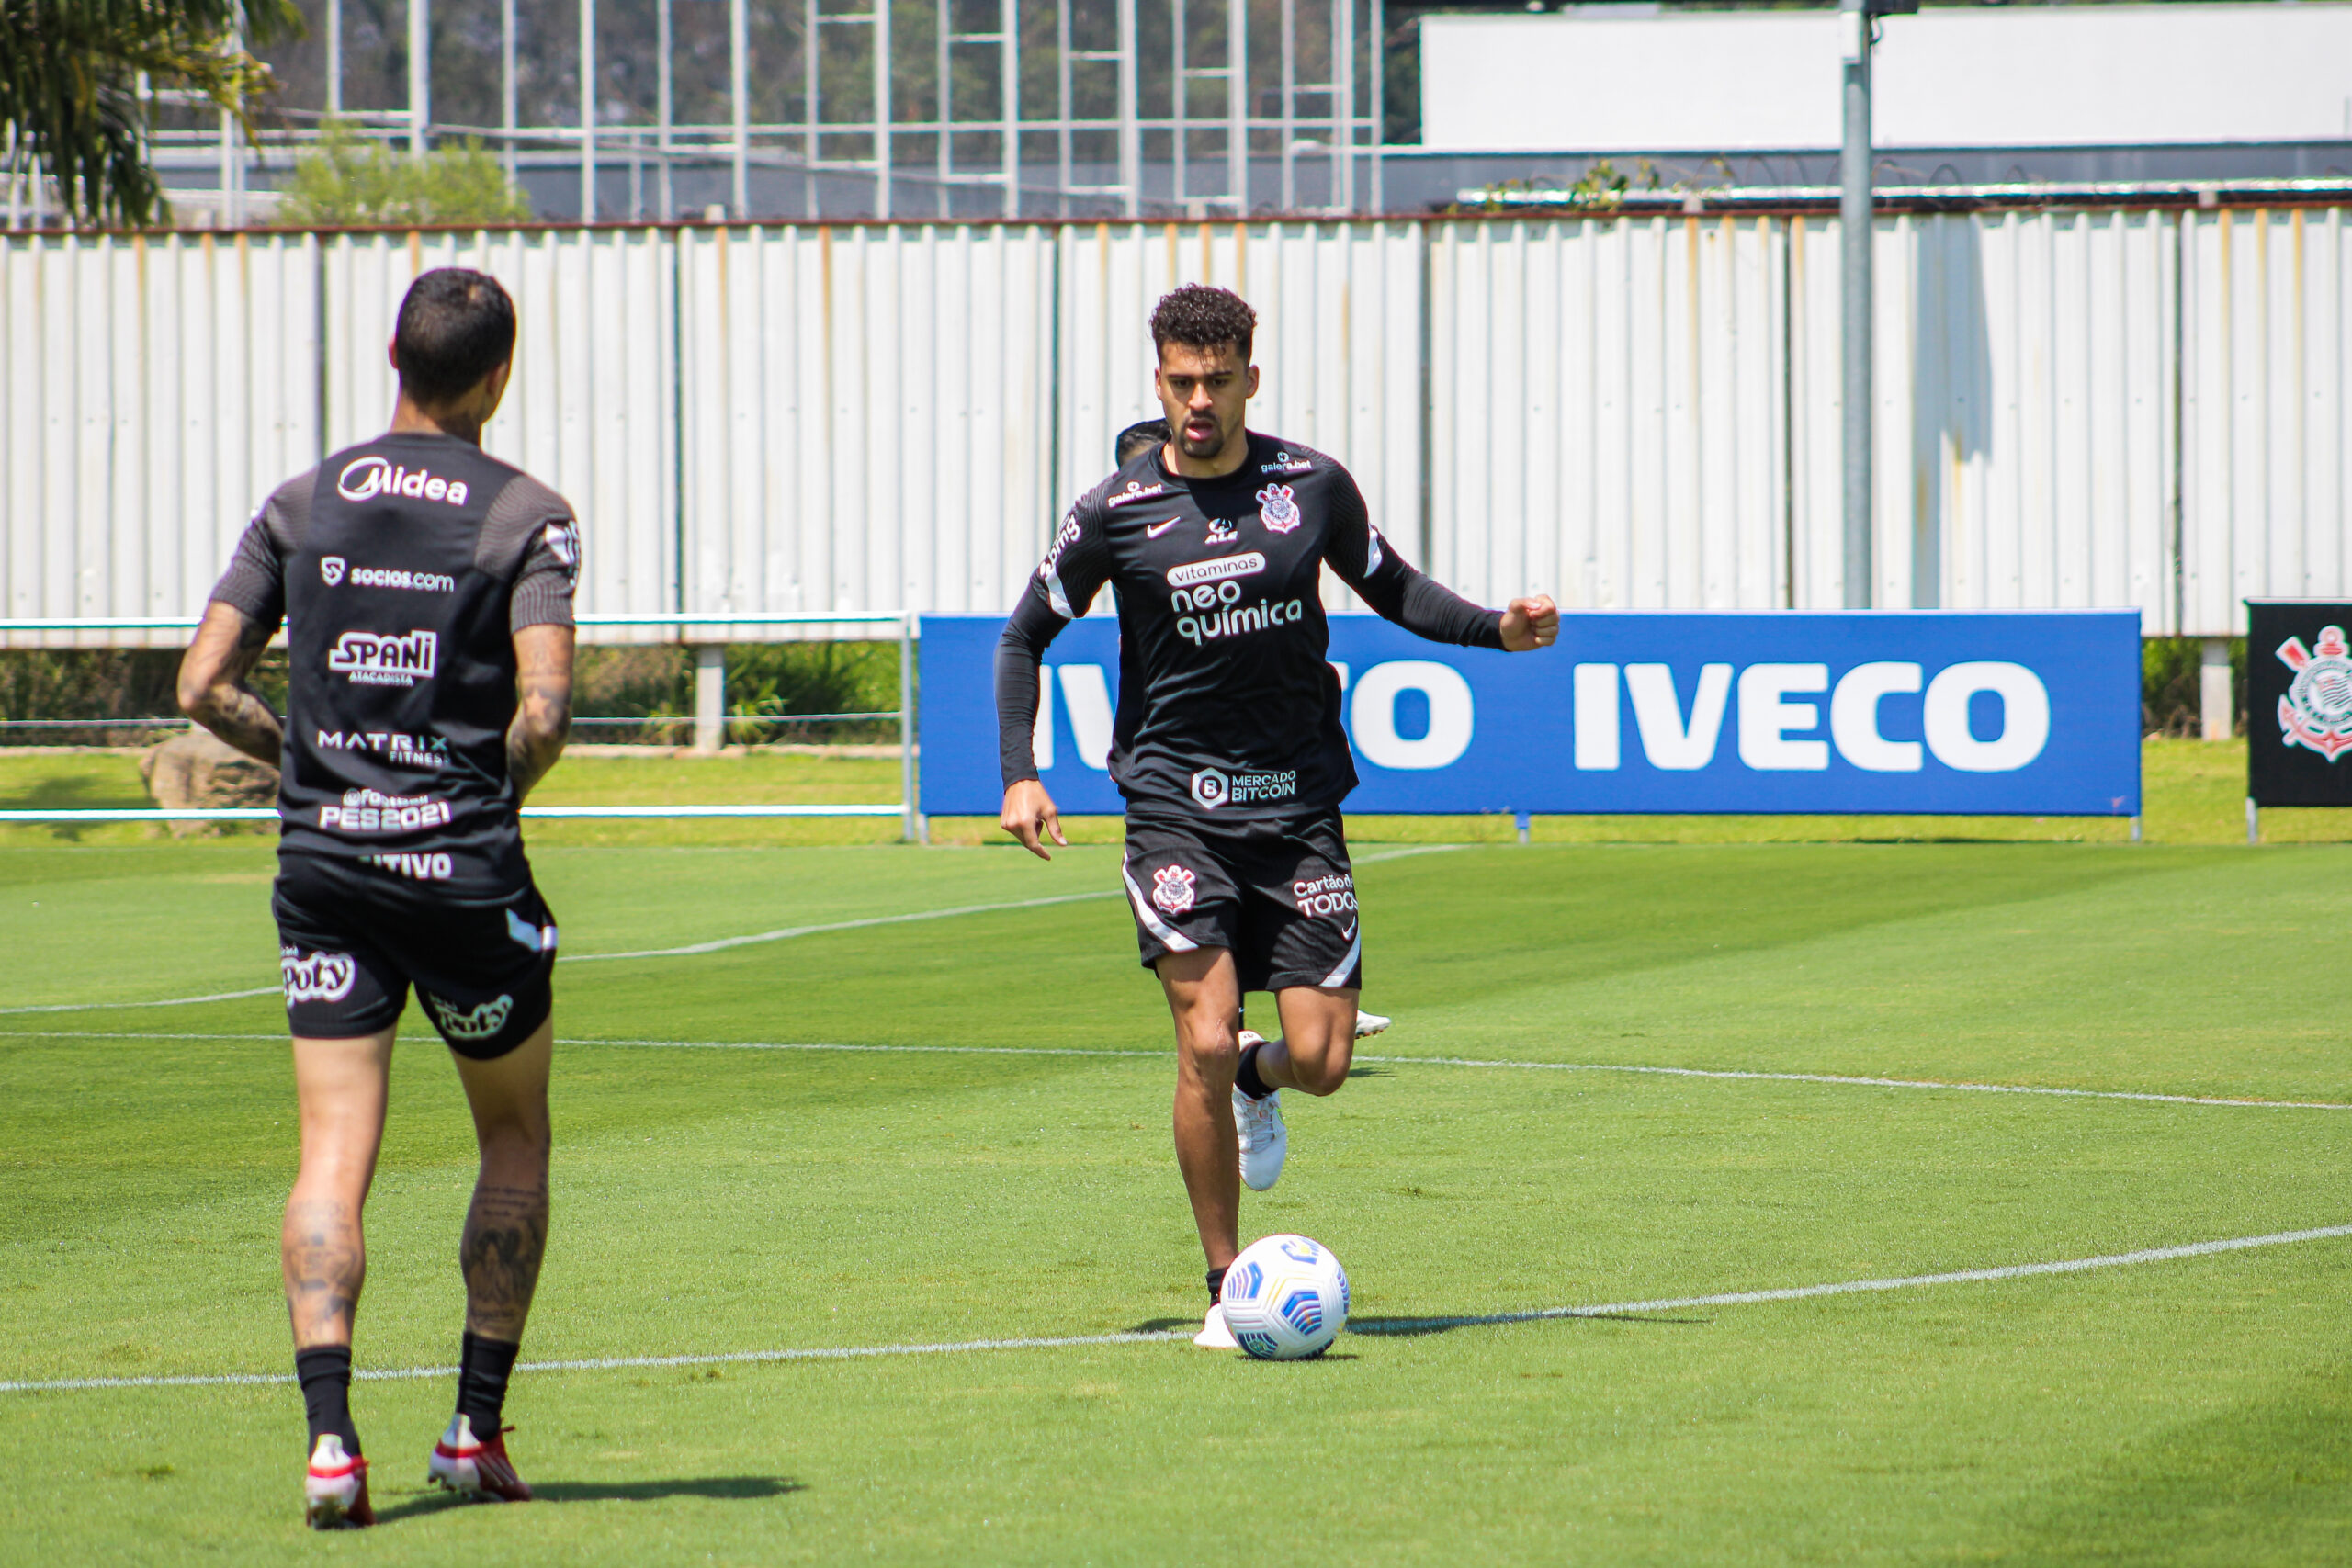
{"x":1029,"y":816}
{"x":1529,"y":624}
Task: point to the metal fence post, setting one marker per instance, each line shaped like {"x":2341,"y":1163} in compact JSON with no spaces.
{"x":917,"y":831}
{"x":710,"y":697}
{"x":1855,"y":236}
{"x":420,"y":74}
{"x":2216,"y":704}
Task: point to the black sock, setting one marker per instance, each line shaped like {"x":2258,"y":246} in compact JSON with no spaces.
{"x":484,"y":1368}
{"x":324,"y":1371}
{"x":1216,"y":1286}
{"x":1246,"y":1078}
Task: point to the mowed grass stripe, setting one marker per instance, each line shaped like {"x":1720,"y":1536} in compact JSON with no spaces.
{"x":1386,"y":1326}
{"x":722,"y":944}
{"x":1733,"y":1075}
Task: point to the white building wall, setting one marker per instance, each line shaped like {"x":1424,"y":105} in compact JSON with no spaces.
{"x":1732,"y":80}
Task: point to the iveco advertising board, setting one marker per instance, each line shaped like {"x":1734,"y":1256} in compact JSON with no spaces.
{"x":1943,"y":712}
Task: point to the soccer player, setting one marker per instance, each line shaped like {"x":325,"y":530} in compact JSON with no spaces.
{"x":1146,"y":435}
{"x":420,"y":581}
{"x":1226,"y":742}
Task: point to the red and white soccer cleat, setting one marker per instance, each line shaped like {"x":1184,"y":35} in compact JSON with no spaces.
{"x":477,"y":1471}
{"x":334,"y":1492}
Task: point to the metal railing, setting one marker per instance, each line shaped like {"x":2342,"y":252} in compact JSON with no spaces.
{"x":710,"y":721}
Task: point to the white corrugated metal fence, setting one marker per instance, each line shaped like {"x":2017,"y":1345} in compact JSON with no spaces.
{"x":2076,"y":407}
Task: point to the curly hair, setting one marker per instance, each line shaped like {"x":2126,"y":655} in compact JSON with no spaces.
{"x":1200,"y":316}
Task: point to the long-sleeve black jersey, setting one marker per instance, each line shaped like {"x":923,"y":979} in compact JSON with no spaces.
{"x":1226,"y":702}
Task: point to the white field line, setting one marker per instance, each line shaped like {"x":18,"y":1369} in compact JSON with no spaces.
{"x":1401,"y":1325}
{"x":166,"y":1002}
{"x":1851,"y":1287}
{"x":783,"y":933}
{"x":1948,"y":1086}
{"x":1731,"y":1075}
{"x":787,"y":933}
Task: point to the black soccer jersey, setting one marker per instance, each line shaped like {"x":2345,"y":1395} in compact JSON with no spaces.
{"x":1226,"y":705}
{"x":403,"y":569}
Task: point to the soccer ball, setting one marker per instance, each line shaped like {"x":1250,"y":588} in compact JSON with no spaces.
{"x":1286,"y":1298}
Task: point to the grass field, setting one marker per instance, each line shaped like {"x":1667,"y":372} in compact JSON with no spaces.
{"x":716,"y":1202}
{"x":2195,"y":794}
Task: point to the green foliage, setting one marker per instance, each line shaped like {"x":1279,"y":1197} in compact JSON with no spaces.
{"x":102,"y":683}
{"x":350,"y":179}
{"x":813,"y":677}
{"x":762,"y":679}
{"x":647,"y":681}
{"x":1600,"y":188}
{"x":69,"y":84}
{"x":2171,"y":685}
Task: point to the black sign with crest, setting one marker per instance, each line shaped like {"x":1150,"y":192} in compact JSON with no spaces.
{"x":2298,"y":702}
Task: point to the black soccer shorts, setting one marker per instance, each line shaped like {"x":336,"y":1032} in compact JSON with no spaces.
{"x":1277,"y":893}
{"x":352,"y":938}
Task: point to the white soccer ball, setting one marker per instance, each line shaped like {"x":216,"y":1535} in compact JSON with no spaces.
{"x":1286,"y":1298}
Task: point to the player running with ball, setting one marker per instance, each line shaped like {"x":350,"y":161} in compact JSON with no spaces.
{"x":420,"y":581}
{"x":1228,"y":744}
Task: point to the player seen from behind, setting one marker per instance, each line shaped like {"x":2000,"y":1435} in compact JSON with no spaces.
{"x":420,"y":580}
{"x":1142,"y":436}
{"x":1227,"y":741}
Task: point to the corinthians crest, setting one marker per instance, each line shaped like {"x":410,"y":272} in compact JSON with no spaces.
{"x":1278,"y":508}
{"x":2317,"y":711}
{"x":1173,"y":888}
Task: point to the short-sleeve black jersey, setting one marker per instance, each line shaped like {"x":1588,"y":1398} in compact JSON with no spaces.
{"x":1226,"y":702}
{"x":403,"y":569}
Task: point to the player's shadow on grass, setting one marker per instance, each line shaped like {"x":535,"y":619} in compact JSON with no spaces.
{"x":720,"y":1486}
{"x":1414,"y":1327}
{"x":723,"y":1487}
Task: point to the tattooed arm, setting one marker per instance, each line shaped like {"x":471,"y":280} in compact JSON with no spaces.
{"x":212,"y":689}
{"x":543,"y":715}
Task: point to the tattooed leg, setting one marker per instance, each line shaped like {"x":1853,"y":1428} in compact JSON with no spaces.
{"x":340,"y":1087}
{"x":506,"y":1228}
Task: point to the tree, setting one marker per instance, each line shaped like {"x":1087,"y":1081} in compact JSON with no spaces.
{"x":69,"y":86}
{"x":346,"y":179}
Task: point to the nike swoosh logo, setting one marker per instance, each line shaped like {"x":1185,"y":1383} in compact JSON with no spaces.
{"x":1351,"y":932}
{"x":1153,"y":530}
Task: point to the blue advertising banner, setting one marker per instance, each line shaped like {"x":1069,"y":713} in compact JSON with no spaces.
{"x":1931,"y":711}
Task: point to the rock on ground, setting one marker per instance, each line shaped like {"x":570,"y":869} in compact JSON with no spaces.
{"x":199,"y":772}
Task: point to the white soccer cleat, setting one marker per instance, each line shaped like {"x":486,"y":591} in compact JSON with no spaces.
{"x":1259,"y":1125}
{"x":1214,"y":1334}
{"x":334,"y":1491}
{"x":1370,"y":1024}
